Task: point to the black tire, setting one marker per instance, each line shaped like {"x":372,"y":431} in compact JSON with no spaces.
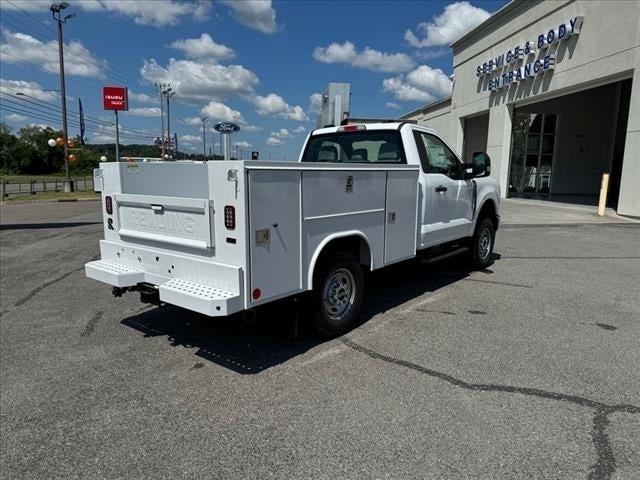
{"x":482,"y":254}
{"x":338,"y":290}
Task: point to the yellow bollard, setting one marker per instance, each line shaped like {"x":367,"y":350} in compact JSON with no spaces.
{"x":604,"y":187}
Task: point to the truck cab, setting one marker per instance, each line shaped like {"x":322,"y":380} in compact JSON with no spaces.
{"x":450,"y":192}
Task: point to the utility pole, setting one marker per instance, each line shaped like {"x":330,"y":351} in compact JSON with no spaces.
{"x":160,"y":89}
{"x":204,"y":139}
{"x":175,"y":139}
{"x":56,"y":10}
{"x":168,"y":93}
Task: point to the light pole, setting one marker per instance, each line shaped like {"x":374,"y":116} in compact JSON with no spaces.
{"x":204,"y":139}
{"x":56,"y":10}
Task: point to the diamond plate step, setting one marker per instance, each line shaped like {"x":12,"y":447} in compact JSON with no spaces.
{"x":201,"y":298}
{"x":114,"y":273}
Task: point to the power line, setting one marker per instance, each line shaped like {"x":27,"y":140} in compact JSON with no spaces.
{"x":54,"y":119}
{"x":51,"y":106}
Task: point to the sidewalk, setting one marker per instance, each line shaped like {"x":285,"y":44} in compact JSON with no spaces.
{"x":516,"y":211}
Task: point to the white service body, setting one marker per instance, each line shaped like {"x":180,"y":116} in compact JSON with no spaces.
{"x":167,"y":226}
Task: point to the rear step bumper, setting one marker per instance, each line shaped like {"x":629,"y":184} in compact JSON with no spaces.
{"x":182,"y":293}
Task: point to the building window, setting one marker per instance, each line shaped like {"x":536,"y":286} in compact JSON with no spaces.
{"x":533,"y":146}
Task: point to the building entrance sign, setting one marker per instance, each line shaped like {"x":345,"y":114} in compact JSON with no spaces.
{"x":506,"y":64}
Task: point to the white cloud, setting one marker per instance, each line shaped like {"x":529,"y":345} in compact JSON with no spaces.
{"x":142,"y":97}
{"x":200,"y":81}
{"x":203,"y":48}
{"x":272,"y":141}
{"x":15,"y":117}
{"x":275,"y":105}
{"x":219,"y":112}
{"x":252,"y":128}
{"x":256,"y":14}
{"x":190,"y":139}
{"x":300,"y":129}
{"x":282,"y":134}
{"x":158,"y":13}
{"x":242,"y":144}
{"x":456,"y":20}
{"x":424,"y":84}
{"x":315,"y":103}
{"x":368,"y":58}
{"x":103,"y":138}
{"x":393,"y":105}
{"x":193,"y":121}
{"x":144,"y":112}
{"x":18,"y":47}
{"x":33,"y":89}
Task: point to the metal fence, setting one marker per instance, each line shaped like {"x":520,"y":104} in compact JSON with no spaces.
{"x":35,"y":186}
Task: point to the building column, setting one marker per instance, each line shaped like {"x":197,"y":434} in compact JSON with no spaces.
{"x":499,"y":144}
{"x":629,"y":198}
{"x":457,"y":135}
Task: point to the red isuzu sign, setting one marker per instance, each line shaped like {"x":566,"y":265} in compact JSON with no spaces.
{"x":115,"y":98}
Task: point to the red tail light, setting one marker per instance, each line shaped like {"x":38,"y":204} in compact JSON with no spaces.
{"x":352,"y":128}
{"x":230,"y":217}
{"x":108,"y":205}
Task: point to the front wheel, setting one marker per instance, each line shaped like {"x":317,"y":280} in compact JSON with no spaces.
{"x":338,"y":292}
{"x":481,"y":248}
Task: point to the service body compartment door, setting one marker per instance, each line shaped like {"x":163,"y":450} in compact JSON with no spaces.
{"x":274,"y":233}
{"x":167,"y":221}
{"x":401,"y":215}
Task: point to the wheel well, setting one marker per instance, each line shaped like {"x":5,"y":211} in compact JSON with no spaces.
{"x":488,"y":210}
{"x":354,"y":244}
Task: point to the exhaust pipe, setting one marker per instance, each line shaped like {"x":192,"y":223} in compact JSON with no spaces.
{"x":249,"y":316}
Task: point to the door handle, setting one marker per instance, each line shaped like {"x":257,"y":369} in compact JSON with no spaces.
{"x":441,"y":188}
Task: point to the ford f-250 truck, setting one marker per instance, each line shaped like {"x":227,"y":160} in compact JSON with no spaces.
{"x":221,"y":237}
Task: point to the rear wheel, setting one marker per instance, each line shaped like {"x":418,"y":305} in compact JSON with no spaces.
{"x":338,"y":292}
{"x":481,"y":248}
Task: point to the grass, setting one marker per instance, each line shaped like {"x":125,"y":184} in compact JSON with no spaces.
{"x":51,"y":196}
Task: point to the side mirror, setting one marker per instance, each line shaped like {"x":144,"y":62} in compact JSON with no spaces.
{"x":481,"y":164}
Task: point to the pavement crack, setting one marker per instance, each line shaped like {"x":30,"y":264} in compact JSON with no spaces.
{"x":39,"y":288}
{"x":605,"y":463}
{"x":91,"y":324}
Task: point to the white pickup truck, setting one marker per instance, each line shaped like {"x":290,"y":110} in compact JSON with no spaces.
{"x":221,"y":237}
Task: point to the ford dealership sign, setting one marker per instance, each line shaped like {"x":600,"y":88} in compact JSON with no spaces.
{"x":226,"y":127}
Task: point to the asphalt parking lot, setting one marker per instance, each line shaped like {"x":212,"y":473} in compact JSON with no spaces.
{"x":528,"y":369}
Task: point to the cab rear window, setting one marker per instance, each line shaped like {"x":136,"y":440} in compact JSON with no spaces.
{"x":375,"y":146}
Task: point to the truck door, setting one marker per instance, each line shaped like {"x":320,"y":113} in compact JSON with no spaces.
{"x":447,"y":199}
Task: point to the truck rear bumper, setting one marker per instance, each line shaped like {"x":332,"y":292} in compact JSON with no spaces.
{"x":207,"y":299}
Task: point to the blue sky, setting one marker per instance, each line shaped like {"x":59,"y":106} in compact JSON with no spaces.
{"x":259,"y":63}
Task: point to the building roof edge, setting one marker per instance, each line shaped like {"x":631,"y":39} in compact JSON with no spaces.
{"x":424,"y":107}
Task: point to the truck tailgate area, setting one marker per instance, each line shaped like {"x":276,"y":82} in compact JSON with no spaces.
{"x":203,"y":286}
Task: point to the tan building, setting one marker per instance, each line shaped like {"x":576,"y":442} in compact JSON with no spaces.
{"x":551,"y":91}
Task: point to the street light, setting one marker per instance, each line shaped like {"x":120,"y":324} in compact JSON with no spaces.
{"x":56,"y":10}
{"x":204,"y":139}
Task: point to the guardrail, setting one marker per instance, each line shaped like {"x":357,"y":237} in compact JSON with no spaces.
{"x":36,"y":186}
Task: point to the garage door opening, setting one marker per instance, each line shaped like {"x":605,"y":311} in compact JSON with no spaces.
{"x":561,"y":147}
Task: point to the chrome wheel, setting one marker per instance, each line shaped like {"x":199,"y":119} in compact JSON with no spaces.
{"x":338,"y":294}
{"x":484,"y":243}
